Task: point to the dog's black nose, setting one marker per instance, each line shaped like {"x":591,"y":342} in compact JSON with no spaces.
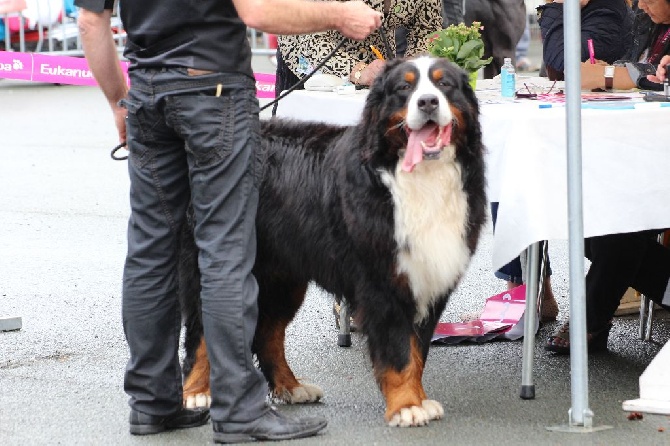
{"x":428,"y":103}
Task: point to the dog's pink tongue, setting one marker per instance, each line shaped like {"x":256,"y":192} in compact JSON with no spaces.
{"x":414,"y":153}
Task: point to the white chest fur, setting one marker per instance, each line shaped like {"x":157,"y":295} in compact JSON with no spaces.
{"x":430,"y":222}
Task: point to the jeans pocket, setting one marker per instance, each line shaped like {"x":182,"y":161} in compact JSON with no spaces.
{"x":137,"y":152}
{"x":207,"y":125}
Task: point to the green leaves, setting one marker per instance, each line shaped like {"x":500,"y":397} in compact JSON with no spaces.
{"x":460,"y":44}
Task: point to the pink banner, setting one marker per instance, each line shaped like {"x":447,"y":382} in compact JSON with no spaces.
{"x":265,"y":85}
{"x":16,"y":65}
{"x":75,"y":71}
{"x":62,"y":70}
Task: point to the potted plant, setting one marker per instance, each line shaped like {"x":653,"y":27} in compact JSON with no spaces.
{"x":463,"y":45}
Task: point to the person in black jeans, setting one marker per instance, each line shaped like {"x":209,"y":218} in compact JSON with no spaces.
{"x":618,"y":261}
{"x":191,"y":123}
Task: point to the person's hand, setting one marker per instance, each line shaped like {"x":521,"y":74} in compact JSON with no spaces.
{"x":371,"y":71}
{"x":358,"y":20}
{"x":120,"y":114}
{"x":661,"y":72}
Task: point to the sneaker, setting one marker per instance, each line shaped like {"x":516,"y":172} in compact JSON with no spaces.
{"x":145,"y":424}
{"x":271,"y":426}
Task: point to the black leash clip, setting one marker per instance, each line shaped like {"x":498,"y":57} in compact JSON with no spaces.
{"x":114,"y":156}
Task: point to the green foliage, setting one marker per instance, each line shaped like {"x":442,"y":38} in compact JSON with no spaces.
{"x":460,"y":44}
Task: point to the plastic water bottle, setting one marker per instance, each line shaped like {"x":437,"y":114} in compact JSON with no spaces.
{"x":507,"y":79}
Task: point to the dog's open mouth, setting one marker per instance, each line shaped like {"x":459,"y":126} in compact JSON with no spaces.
{"x":425,"y":143}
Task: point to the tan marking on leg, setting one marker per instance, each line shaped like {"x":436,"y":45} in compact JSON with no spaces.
{"x":270,"y":337}
{"x":403,"y":389}
{"x":197,"y":382}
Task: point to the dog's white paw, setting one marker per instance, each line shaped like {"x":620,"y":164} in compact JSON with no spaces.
{"x":434,"y":409}
{"x":305,"y":393}
{"x":197,"y":400}
{"x":410,"y":416}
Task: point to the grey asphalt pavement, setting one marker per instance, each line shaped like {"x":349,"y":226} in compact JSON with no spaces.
{"x":63,"y":213}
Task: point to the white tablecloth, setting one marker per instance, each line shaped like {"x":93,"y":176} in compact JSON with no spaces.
{"x":625,"y":160}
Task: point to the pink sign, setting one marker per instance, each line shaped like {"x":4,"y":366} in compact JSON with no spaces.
{"x":62,"y":70}
{"x":75,"y":71}
{"x":16,"y":65}
{"x":265,"y":85}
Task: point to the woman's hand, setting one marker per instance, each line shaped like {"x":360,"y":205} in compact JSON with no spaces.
{"x":369,"y":73}
{"x":661,"y":72}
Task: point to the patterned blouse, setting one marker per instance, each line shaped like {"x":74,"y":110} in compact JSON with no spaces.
{"x":421,"y":18}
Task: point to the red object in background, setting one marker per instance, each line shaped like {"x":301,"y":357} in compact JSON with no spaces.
{"x":271,"y":41}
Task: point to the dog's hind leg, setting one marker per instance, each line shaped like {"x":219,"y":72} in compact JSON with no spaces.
{"x":196,"y":387}
{"x":196,"y":365}
{"x":278,"y":304}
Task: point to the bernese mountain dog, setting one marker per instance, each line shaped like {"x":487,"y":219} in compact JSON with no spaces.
{"x":387,"y":213}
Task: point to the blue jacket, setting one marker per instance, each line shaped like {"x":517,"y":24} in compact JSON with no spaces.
{"x":607,"y":22}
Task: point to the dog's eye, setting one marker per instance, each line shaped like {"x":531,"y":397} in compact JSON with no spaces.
{"x":404,"y":86}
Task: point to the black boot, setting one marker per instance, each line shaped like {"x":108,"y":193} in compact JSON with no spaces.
{"x":270,"y":426}
{"x":145,"y":424}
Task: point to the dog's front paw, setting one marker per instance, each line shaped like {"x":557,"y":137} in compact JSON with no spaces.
{"x":197,"y":400}
{"x":304,"y":393}
{"x":417,"y":416}
{"x":410,"y":416}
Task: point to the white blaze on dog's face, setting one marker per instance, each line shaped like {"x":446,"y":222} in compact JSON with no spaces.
{"x":429,"y":118}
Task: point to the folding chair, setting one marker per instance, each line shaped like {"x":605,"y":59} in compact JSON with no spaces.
{"x":646,"y":304}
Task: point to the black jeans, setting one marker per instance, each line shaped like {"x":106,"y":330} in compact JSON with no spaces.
{"x":188,"y":145}
{"x":619,"y":261}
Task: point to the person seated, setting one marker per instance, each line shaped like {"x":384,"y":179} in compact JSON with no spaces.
{"x":635,"y":260}
{"x":355,"y":60}
{"x":649,"y":41}
{"x":618,"y":261}
{"x":607,"y":23}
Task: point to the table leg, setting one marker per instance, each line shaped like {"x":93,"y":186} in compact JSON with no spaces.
{"x":530,"y":322}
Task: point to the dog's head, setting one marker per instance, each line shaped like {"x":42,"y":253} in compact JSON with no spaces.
{"x":420,"y":107}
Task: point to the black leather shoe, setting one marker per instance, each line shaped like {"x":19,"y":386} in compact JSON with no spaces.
{"x":271,"y":426}
{"x":145,"y":424}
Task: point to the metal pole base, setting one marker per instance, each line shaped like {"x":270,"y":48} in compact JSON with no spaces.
{"x":577,"y":426}
{"x":577,"y":429}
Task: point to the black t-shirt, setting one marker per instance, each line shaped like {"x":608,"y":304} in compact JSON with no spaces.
{"x":207,"y":34}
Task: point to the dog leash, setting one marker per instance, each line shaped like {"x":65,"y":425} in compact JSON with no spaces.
{"x":116,"y":157}
{"x":304,"y":79}
{"x":275,"y":101}
{"x":387,"y":48}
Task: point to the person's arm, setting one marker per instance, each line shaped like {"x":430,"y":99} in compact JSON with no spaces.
{"x":602,"y":22}
{"x":550,"y":19}
{"x":103,"y":60}
{"x":354,"y":19}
